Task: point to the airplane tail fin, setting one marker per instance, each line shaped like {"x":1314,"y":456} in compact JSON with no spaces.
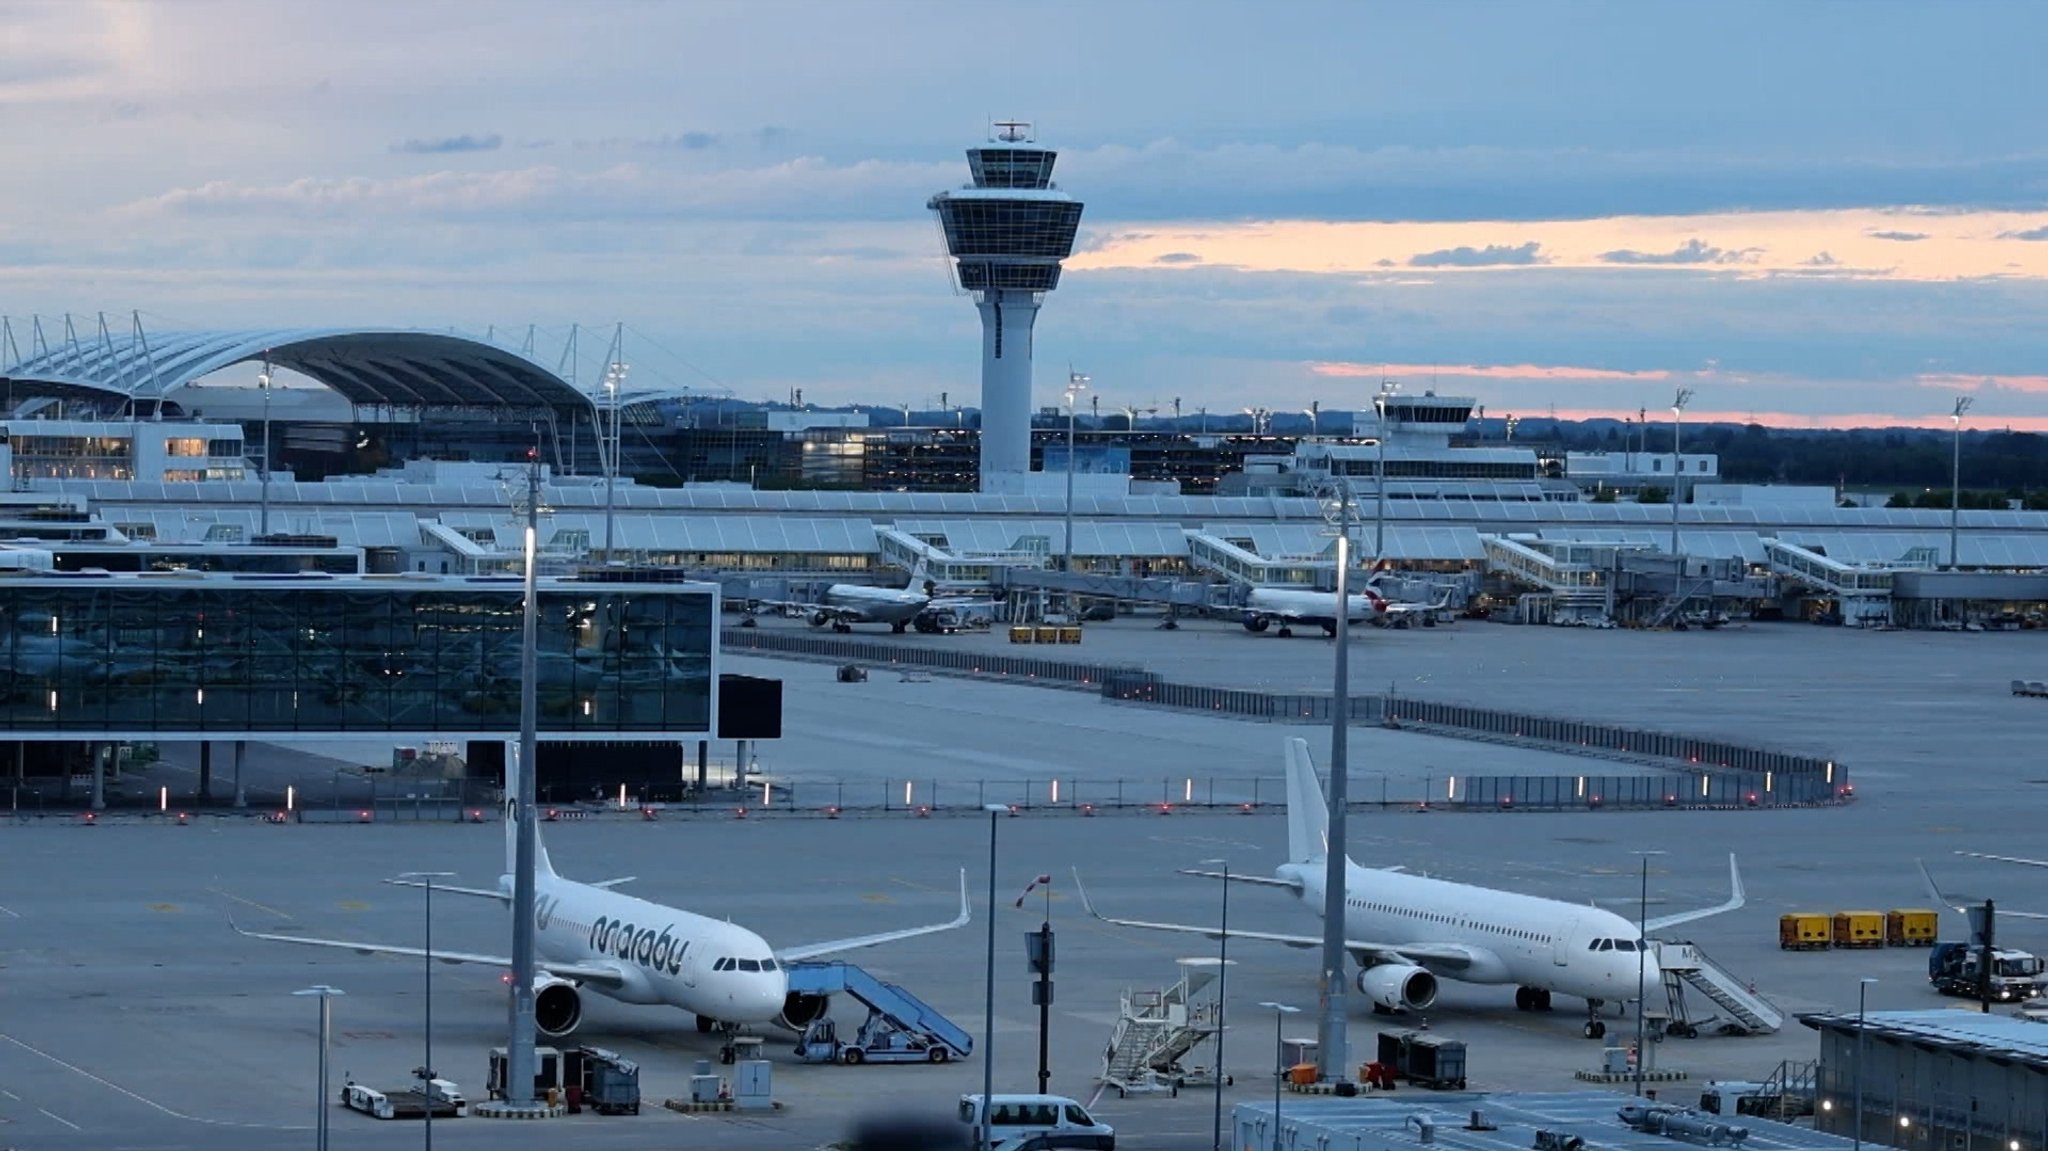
{"x":920,"y":575}
{"x":541,"y":866}
{"x":1308,"y":817}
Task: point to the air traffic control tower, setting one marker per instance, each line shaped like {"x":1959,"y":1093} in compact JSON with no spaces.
{"x":1007,"y":234}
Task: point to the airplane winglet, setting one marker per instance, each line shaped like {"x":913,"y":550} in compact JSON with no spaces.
{"x":1934,"y":888}
{"x":1082,"y":890}
{"x":966,"y":909}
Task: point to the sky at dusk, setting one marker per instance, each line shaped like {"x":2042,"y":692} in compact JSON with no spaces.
{"x":1819,"y":214}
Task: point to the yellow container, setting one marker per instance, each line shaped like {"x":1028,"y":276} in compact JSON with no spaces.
{"x":1911,"y":926}
{"x":1859,"y":929}
{"x":1020,"y":635}
{"x":1048,"y":634}
{"x":1070,"y":634}
{"x":1805,"y":931}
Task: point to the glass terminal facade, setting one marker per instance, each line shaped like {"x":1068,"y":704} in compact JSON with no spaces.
{"x":114,"y":657}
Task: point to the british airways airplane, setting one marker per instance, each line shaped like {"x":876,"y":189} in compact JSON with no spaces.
{"x":1408,"y":931}
{"x":589,"y":937}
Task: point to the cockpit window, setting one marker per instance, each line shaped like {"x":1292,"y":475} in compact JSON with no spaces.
{"x":1624,"y":945}
{"x":750,"y":965}
{"x":767,"y":965}
{"x":724,"y":964}
{"x":1603,"y":945}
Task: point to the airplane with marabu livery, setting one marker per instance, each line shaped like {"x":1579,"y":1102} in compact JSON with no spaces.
{"x":590,"y":937}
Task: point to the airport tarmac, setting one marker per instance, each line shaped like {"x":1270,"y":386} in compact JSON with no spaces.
{"x":132,"y":1016}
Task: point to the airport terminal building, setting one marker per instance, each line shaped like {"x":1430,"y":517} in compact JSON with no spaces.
{"x":148,"y":486}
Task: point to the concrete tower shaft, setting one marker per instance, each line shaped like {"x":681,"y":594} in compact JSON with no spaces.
{"x":1007,"y":233}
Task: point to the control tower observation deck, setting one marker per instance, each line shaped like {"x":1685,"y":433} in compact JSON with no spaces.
{"x":1007,"y":234}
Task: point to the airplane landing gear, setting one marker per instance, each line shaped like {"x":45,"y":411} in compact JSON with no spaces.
{"x":1286,"y":632}
{"x":898,"y":626}
{"x":841,"y":627}
{"x":1596,"y":1028}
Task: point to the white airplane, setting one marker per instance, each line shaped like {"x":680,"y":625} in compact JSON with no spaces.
{"x":1408,"y":931}
{"x":589,"y":937}
{"x":1265,"y":606}
{"x":846,"y":604}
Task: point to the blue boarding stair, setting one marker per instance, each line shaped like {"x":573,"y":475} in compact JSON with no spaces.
{"x":900,"y":1027}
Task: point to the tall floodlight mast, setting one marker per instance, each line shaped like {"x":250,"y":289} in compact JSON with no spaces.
{"x":1007,"y":234}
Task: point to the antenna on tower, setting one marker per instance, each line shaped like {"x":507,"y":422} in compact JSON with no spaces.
{"x":1011,"y":131}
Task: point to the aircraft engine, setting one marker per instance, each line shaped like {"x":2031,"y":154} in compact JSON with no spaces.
{"x":820,"y":619}
{"x":1398,"y":986}
{"x":799,"y":1010}
{"x":1256,"y":623}
{"x":557,"y":1006}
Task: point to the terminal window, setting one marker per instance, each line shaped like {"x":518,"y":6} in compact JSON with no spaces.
{"x":104,"y":655}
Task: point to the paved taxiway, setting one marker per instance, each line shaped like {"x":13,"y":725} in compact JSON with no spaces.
{"x":131,"y":1016}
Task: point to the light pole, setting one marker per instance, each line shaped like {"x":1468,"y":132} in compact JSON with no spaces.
{"x":263,"y":517}
{"x":614,"y":382}
{"x":426,"y":1073}
{"x":1955,"y":478}
{"x":1222,"y":987}
{"x":1076,"y":384}
{"x":519,"y":1053}
{"x":1642,"y":942}
{"x":1678,"y":403}
{"x":988,"y":1007}
{"x":1862,"y":988}
{"x":1280,"y":1013}
{"x":1331,"y":1050}
{"x":1379,"y":522}
{"x":325,"y":993}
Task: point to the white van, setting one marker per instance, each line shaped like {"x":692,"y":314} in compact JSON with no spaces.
{"x":1041,"y":1121}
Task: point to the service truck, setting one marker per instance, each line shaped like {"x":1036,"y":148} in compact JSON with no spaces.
{"x":1957,"y":968}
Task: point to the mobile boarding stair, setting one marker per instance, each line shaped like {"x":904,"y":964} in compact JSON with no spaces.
{"x":1157,"y":1031}
{"x":1743,"y":1011}
{"x":897,"y":1020}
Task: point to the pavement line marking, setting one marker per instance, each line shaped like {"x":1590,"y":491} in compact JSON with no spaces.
{"x":60,"y":1119}
{"x":10,"y":913}
{"x":263,"y":907}
{"x":150,"y":1103}
{"x":10,"y":1094}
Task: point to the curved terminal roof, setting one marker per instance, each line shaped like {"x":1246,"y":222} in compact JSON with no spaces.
{"x":382,"y":367}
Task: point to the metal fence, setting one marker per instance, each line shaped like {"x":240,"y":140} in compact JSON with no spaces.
{"x":956,"y":661}
{"x":1748,"y":768}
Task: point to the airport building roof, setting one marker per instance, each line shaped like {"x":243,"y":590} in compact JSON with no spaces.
{"x":371,"y":367}
{"x":1967,"y":1032}
{"x":1512,"y":1119}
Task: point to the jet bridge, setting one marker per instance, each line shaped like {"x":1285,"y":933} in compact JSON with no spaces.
{"x":1863,"y":590}
{"x":889,"y":1006}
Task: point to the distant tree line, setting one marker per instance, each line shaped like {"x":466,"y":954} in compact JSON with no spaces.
{"x":1997,"y":466}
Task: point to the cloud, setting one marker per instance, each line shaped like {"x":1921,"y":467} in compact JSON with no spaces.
{"x":1693,"y":251}
{"x":1822,"y":260}
{"x":1900,"y":237}
{"x":1491,"y":256}
{"x":449,"y":145}
{"x":1950,"y":381}
{"x":1346,"y":370}
{"x":2035,"y":234}
{"x":1177,"y":258}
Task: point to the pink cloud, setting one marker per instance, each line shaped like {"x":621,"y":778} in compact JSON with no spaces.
{"x":1833,"y":421}
{"x":1345,"y":369}
{"x":1970,"y":383}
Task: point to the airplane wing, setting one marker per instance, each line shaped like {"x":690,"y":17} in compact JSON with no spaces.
{"x":1446,"y":954}
{"x":2006,"y":859}
{"x":447,"y":889}
{"x":830,"y":947}
{"x":586,"y":972}
{"x":1254,"y":880}
{"x":1736,"y":898}
{"x":1967,"y":903}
